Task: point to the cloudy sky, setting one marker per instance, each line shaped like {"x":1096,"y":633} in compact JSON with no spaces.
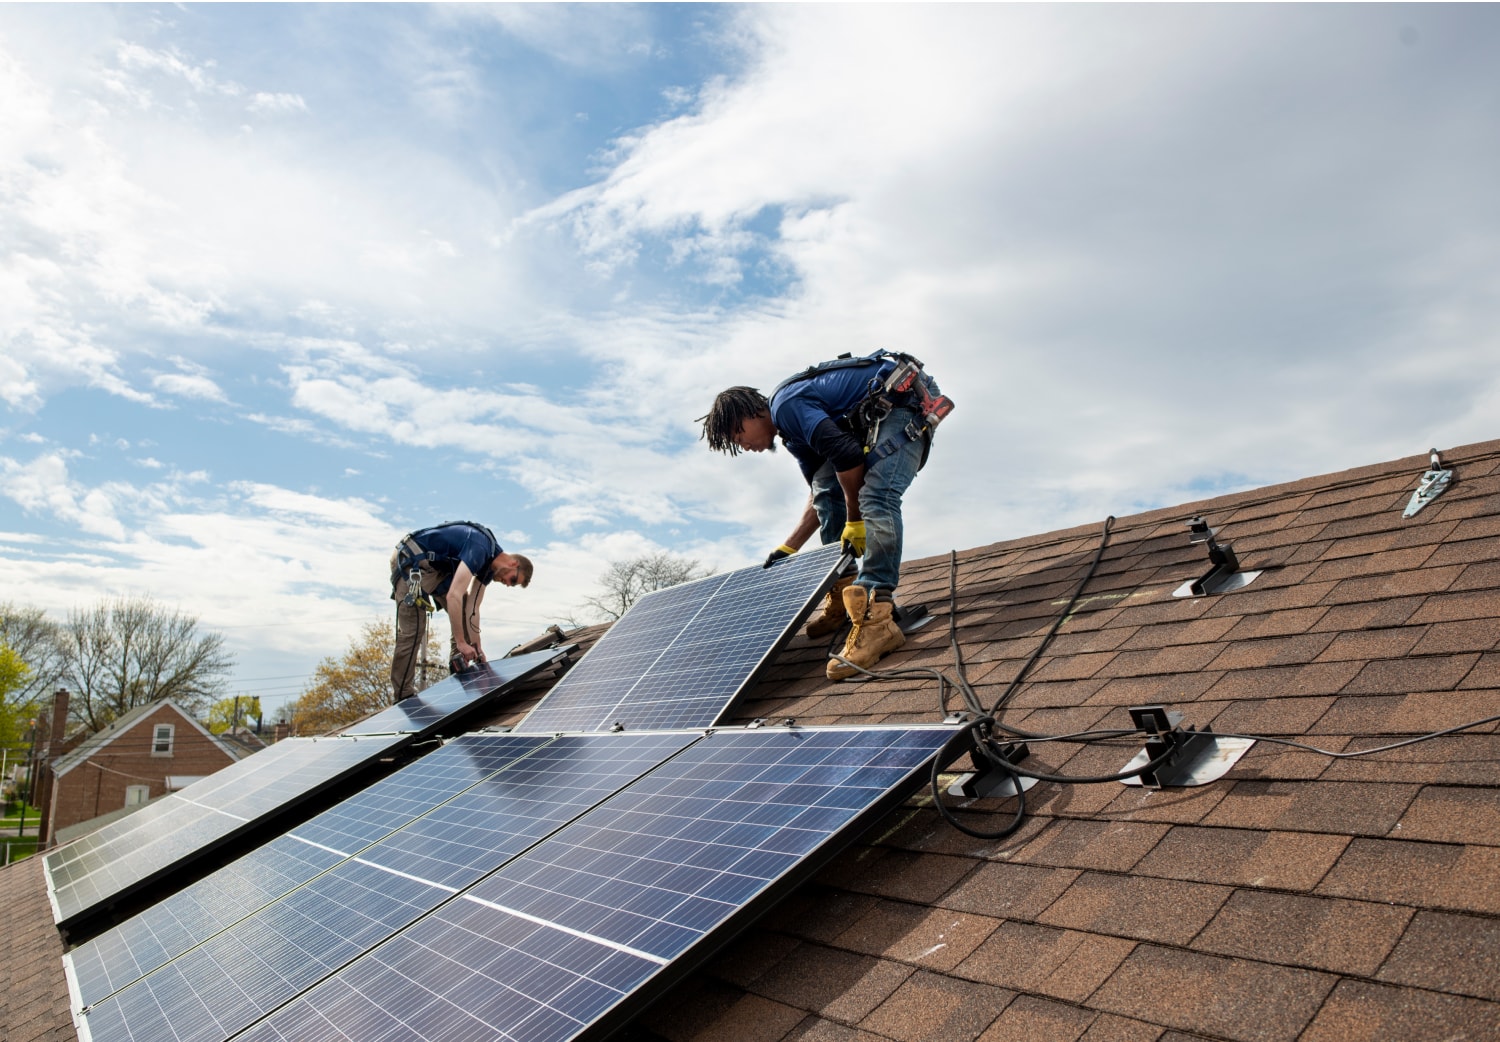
{"x":279,"y":283}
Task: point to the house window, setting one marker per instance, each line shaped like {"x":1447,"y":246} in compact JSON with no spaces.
{"x":161,"y":741}
{"x":135,"y":795}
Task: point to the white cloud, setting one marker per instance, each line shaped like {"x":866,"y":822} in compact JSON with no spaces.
{"x":189,"y":385}
{"x":264,"y":102}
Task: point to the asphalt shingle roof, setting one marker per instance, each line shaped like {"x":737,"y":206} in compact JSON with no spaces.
{"x":1299,"y":898}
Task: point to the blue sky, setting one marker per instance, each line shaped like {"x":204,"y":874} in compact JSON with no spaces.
{"x":280,"y":282}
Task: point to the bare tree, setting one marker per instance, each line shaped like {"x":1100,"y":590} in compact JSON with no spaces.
{"x":625,"y":582}
{"x":36,"y":641}
{"x":124,"y":653}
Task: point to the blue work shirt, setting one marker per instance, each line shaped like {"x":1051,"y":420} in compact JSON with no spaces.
{"x":457,"y":542}
{"x":810,"y":415}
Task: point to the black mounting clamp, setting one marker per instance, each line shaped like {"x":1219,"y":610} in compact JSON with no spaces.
{"x":988,"y":779}
{"x":1224,"y":575}
{"x":1193,"y":757}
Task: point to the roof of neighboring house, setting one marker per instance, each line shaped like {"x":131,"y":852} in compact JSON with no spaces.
{"x":1300,"y":897}
{"x":102,"y":738}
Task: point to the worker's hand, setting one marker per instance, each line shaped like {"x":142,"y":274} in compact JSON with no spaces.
{"x":479,"y":658}
{"x":854,"y":538}
{"x":781,"y":553}
{"x":463,"y":654}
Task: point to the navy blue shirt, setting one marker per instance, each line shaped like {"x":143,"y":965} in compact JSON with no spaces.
{"x":810,"y":415}
{"x":471,"y":544}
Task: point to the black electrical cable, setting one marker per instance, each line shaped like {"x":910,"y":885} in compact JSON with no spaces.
{"x":1362,"y":752}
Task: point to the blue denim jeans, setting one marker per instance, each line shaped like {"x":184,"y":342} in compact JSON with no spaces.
{"x":886,"y":481}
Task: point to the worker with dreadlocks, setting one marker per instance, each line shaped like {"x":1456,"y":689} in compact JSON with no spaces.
{"x":860,"y":429}
{"x":447,"y":566}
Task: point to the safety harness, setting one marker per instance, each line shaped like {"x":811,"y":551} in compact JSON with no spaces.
{"x":901,"y":386}
{"x":410,"y":556}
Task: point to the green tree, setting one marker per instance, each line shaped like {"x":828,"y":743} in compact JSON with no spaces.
{"x":124,"y":653}
{"x":229,"y":713}
{"x":358,"y":683}
{"x":36,"y":640}
{"x":15,"y":716}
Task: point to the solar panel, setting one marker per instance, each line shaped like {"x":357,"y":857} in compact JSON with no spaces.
{"x":160,"y":933}
{"x":680,"y":656}
{"x":124,"y":857}
{"x":267,"y":958}
{"x":454,"y":695}
{"x":578,"y":934}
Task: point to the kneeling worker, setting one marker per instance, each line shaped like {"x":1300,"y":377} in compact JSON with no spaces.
{"x":860,"y":428}
{"x":447,"y":566}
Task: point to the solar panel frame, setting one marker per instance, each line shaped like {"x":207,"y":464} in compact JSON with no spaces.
{"x":681,"y":656}
{"x":625,"y":961}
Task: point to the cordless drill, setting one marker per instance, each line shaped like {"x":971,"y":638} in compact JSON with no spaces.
{"x":906,"y":377}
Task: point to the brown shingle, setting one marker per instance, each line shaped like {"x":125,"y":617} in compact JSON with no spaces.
{"x":1110,"y":845}
{"x":1064,"y":964}
{"x":1424,"y":875}
{"x":1347,"y":808}
{"x":1446,"y":638}
{"x":932,"y":1008}
{"x":931,"y":938}
{"x":1361,"y":1012}
{"x":1141,"y":908}
{"x":1009,"y":890}
{"x":830,"y":982}
{"x":1402,"y":676}
{"x":1226,"y":998}
{"x":1454,"y":815}
{"x":1349,"y":937}
{"x":1040,"y":1020}
{"x":1243,"y":857}
{"x":1446,"y":952}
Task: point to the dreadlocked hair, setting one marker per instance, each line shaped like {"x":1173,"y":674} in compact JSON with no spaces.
{"x":730,"y":410}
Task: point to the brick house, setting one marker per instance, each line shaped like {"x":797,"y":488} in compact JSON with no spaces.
{"x":149,"y":751}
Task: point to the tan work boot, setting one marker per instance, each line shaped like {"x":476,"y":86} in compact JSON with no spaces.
{"x":873,"y":635}
{"x":834,"y":614}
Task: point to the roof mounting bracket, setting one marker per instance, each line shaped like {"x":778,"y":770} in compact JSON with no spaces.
{"x":1198,"y":531}
{"x":991,"y":780}
{"x":1225,"y":575}
{"x":1435,"y":481}
{"x":1196,"y":757}
{"x":911,"y":617}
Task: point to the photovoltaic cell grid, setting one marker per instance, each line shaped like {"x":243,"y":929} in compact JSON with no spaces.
{"x":452,"y":696}
{"x":267,"y":958}
{"x":124,"y":856}
{"x":574,"y":936}
{"x":680,"y":656}
{"x":106,"y":864}
{"x":164,"y":931}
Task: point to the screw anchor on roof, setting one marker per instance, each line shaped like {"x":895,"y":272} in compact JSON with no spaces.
{"x":1435,"y":481}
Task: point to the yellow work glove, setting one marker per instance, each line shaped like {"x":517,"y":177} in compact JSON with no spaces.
{"x":781,"y":553}
{"x":854,"y":538}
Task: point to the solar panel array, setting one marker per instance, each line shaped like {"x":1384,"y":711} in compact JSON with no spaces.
{"x":124,"y":855}
{"x":158,"y":934}
{"x":542,"y":903}
{"x":127,"y":855}
{"x":681,"y":655}
{"x":298,"y":939}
